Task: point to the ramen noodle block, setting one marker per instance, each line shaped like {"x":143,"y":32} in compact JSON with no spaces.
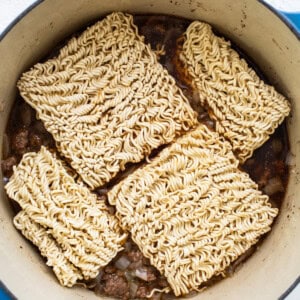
{"x":60,"y":214}
{"x":65,"y":271}
{"x":246,"y":110}
{"x":191,"y":210}
{"x":106,"y":100}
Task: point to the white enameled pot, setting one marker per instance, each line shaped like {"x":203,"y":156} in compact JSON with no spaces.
{"x":250,"y":24}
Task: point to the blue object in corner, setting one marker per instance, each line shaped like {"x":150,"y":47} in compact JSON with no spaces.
{"x":5,"y":294}
{"x":293,"y":18}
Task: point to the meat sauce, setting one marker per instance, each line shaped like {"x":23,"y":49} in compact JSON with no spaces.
{"x":130,"y":275}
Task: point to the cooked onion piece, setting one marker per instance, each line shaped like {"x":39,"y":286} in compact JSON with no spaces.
{"x":106,"y":100}
{"x":72,"y":217}
{"x":122,"y":263}
{"x":246,"y":110}
{"x":191,"y":210}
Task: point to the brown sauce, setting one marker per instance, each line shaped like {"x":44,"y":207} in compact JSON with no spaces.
{"x":130,"y":275}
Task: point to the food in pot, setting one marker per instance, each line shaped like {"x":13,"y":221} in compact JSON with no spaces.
{"x":65,"y":271}
{"x":246,"y":110}
{"x":191,"y":210}
{"x":106,"y":100}
{"x":130,"y":275}
{"x":67,"y":216}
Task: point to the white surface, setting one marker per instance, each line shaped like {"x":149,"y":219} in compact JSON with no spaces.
{"x":10,"y":9}
{"x":295,"y":294}
{"x":285,"y":5}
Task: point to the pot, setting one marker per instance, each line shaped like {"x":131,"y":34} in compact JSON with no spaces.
{"x":250,"y":24}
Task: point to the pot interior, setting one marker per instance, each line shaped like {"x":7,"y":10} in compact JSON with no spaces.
{"x":255,"y":29}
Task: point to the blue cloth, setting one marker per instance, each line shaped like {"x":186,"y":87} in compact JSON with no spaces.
{"x":292,"y":18}
{"x":5,"y":294}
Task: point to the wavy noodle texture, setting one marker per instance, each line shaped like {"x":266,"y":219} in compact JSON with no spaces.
{"x":106,"y":100}
{"x":246,"y":110}
{"x":191,"y":210}
{"x":64,"y":270}
{"x":76,"y":219}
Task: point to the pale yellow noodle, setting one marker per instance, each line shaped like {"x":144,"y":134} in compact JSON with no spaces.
{"x":153,"y":291}
{"x":106,"y":100}
{"x":160,"y":50}
{"x":66,"y":272}
{"x":246,"y":110}
{"x":191,"y":210}
{"x":77,"y":220}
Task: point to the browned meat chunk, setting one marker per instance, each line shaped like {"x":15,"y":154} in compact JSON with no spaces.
{"x":20,"y":141}
{"x":116,"y":286}
{"x":110,"y":269}
{"x":143,"y":291}
{"x":137,"y":259}
{"x":35,"y":141}
{"x":135,"y":255}
{"x":151,"y":274}
{"x":7,"y":165}
{"x":162,"y":282}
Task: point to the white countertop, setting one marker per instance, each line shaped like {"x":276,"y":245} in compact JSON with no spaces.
{"x":10,"y":9}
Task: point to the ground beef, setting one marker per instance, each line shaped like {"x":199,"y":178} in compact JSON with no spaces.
{"x":137,"y":259}
{"x":35,"y":141}
{"x":162,"y":282}
{"x":115,"y":286}
{"x":135,"y":255}
{"x":7,"y":165}
{"x":119,"y":283}
{"x":146,"y":261}
{"x":110,"y":269}
{"x":152,"y":273}
{"x":19,"y":141}
{"x":135,"y":265}
{"x":143,"y":291}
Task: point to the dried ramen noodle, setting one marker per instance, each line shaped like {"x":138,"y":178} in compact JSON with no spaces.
{"x":246,"y":110}
{"x":106,"y":100}
{"x":65,"y":271}
{"x":61,"y":214}
{"x":191,"y":210}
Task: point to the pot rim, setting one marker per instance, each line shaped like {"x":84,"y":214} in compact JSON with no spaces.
{"x":5,"y":292}
{"x":284,"y":18}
